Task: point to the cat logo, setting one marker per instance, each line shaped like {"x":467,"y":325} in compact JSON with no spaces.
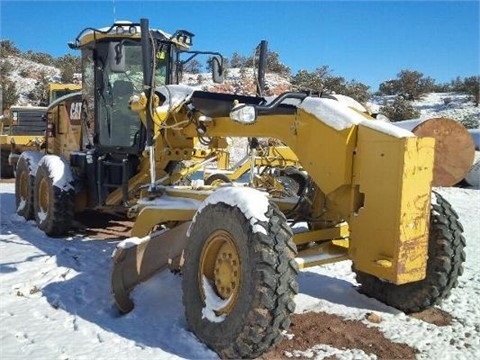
{"x":75,"y":113}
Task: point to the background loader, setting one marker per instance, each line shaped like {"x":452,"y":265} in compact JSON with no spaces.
{"x":127,"y":141}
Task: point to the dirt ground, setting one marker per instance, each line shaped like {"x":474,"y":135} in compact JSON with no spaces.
{"x":308,"y":329}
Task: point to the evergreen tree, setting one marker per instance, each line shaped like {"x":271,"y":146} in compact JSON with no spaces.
{"x":400,"y":109}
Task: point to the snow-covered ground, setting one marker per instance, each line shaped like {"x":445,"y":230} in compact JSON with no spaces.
{"x":459,"y":107}
{"x":55,"y":300}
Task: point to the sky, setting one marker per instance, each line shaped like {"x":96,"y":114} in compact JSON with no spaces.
{"x":367,"y":41}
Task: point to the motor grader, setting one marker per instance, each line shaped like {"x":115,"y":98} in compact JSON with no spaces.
{"x":24,"y":127}
{"x":367,"y":194}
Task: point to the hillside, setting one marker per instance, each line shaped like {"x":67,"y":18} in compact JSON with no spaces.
{"x":27,"y":75}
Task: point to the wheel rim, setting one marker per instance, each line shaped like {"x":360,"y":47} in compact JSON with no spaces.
{"x":23,"y":188}
{"x":220,"y":264}
{"x":43,"y":198}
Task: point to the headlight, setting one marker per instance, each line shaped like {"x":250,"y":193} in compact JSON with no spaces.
{"x":243,"y":113}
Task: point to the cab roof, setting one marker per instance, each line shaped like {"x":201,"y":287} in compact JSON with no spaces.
{"x":123,"y":30}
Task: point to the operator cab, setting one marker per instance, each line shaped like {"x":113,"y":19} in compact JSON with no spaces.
{"x":112,"y":72}
{"x":115,"y":63}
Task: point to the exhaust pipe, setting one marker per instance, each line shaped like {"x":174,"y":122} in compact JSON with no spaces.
{"x":262,"y":64}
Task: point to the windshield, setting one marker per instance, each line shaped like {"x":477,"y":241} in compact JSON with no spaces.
{"x":118,"y":125}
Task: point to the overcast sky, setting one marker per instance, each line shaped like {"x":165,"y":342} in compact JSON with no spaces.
{"x":369,"y":41}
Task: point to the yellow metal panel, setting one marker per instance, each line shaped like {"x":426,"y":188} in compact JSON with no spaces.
{"x":389,"y":234}
{"x":321,"y":254}
{"x":151,"y":216}
{"x":325,"y":153}
{"x":338,"y":232}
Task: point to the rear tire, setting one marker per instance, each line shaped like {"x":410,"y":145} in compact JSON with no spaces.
{"x":252,"y":274}
{"x":53,"y":196}
{"x":25,"y":183}
{"x":445,"y":263}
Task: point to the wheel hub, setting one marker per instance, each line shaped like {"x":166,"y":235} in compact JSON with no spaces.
{"x":226,"y":272}
{"x":220,"y":264}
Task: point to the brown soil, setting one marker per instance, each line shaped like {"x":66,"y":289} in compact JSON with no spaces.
{"x":7,"y":180}
{"x":99,"y":225}
{"x":313,"y":328}
{"x":434,"y":316}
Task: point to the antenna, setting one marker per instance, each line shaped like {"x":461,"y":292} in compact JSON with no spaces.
{"x":113,"y":9}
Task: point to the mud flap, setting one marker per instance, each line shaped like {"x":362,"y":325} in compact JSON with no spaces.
{"x":135,"y":260}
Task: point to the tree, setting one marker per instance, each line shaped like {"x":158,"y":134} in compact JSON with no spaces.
{"x":8,"y":88}
{"x":321,"y":80}
{"x":39,"y":57}
{"x":357,"y":90}
{"x":67,"y":65}
{"x":193,"y":66}
{"x":312,"y":81}
{"x":237,"y":60}
{"x":40,"y":93}
{"x":9,"y":93}
{"x":400,"y":109}
{"x":409,"y":84}
{"x":389,"y":87}
{"x":274,"y":65}
{"x":471,"y":86}
{"x":7,"y":47}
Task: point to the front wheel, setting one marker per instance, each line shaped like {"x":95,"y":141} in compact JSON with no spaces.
{"x":239,"y":277}
{"x":445,"y":263}
{"x":54,"y":196}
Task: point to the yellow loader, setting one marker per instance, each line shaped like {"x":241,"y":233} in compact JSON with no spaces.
{"x":134,"y":133}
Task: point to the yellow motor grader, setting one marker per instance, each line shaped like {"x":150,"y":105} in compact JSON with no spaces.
{"x":134,"y":134}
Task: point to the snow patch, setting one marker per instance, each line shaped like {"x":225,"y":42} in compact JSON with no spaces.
{"x":387,"y":128}
{"x":213,"y":303}
{"x":59,"y":172}
{"x":21,"y":204}
{"x":350,"y":102}
{"x":331,"y":112}
{"x":41,"y":215}
{"x":251,"y":202}
{"x":32,"y":158}
{"x":171,"y":202}
{"x":175,"y":95}
{"x":340,"y":117}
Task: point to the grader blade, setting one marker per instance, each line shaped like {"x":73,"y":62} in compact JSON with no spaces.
{"x":135,"y":260}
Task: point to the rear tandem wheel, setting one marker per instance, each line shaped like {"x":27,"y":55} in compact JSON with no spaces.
{"x":53,"y":196}
{"x":25,"y":183}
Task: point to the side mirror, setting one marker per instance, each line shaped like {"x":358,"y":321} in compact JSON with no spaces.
{"x":217,"y":69}
{"x":116,"y":57}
